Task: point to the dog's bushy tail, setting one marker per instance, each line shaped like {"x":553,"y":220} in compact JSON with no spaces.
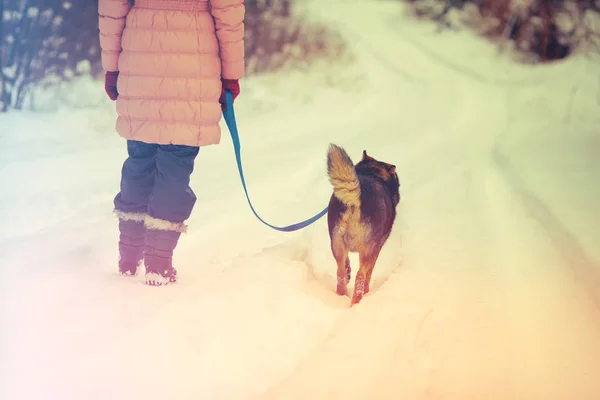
{"x":342,"y":176}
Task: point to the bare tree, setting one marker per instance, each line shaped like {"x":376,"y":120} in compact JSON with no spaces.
{"x":44,"y":45}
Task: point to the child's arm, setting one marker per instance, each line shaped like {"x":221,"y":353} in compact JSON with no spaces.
{"x":229,"y":22}
{"x":112,"y":14}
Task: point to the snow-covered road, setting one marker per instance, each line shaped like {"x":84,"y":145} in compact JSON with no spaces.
{"x":494,"y":297}
{"x":487,"y":289}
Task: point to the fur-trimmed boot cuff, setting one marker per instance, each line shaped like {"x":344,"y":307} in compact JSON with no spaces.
{"x":129,"y":216}
{"x":157,"y":224}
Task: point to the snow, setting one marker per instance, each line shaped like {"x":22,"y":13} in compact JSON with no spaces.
{"x":488,"y":287}
{"x":32,"y":12}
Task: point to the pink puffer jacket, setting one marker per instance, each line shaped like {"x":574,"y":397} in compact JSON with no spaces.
{"x":170,"y":55}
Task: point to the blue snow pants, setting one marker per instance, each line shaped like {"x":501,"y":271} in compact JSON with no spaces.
{"x":155,"y":181}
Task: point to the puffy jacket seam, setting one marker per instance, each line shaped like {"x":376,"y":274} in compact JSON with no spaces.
{"x":109,"y":35}
{"x":161,"y":30}
{"x":203,"y":78}
{"x":170,"y":122}
{"x":173,"y":5}
{"x":184,"y":99}
{"x":163,"y":76}
{"x":174,"y":77}
{"x":231,"y":41}
{"x":195,"y":53}
{"x":110,"y":17}
{"x":227,"y":7}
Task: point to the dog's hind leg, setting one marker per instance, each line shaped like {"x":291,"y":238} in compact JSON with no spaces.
{"x":342,"y":275}
{"x":363,"y":276}
{"x":348,"y":269}
{"x":369,"y":272}
{"x":340,"y":253}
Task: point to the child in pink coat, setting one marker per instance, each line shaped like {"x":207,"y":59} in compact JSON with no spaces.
{"x":168,"y":64}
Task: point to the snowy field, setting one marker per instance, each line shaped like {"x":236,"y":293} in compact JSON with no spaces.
{"x":488,"y":288}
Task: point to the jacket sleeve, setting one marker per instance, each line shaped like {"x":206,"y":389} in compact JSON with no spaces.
{"x":229,"y":23}
{"x":111,"y":14}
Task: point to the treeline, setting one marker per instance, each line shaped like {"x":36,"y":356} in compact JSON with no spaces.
{"x":545,"y":29}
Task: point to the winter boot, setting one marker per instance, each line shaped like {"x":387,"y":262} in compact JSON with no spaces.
{"x":131,"y":245}
{"x":158,"y":256}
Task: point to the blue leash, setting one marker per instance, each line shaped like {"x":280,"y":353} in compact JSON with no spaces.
{"x":229,"y":117}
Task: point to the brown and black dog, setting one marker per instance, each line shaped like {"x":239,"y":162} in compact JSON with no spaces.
{"x":361,"y":214}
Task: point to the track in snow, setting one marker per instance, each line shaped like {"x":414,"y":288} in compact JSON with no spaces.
{"x":494,"y":298}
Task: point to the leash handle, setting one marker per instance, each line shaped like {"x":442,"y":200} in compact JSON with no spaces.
{"x":229,"y":117}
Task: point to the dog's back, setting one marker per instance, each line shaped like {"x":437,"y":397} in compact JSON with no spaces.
{"x":361,"y":213}
{"x":362,"y":208}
